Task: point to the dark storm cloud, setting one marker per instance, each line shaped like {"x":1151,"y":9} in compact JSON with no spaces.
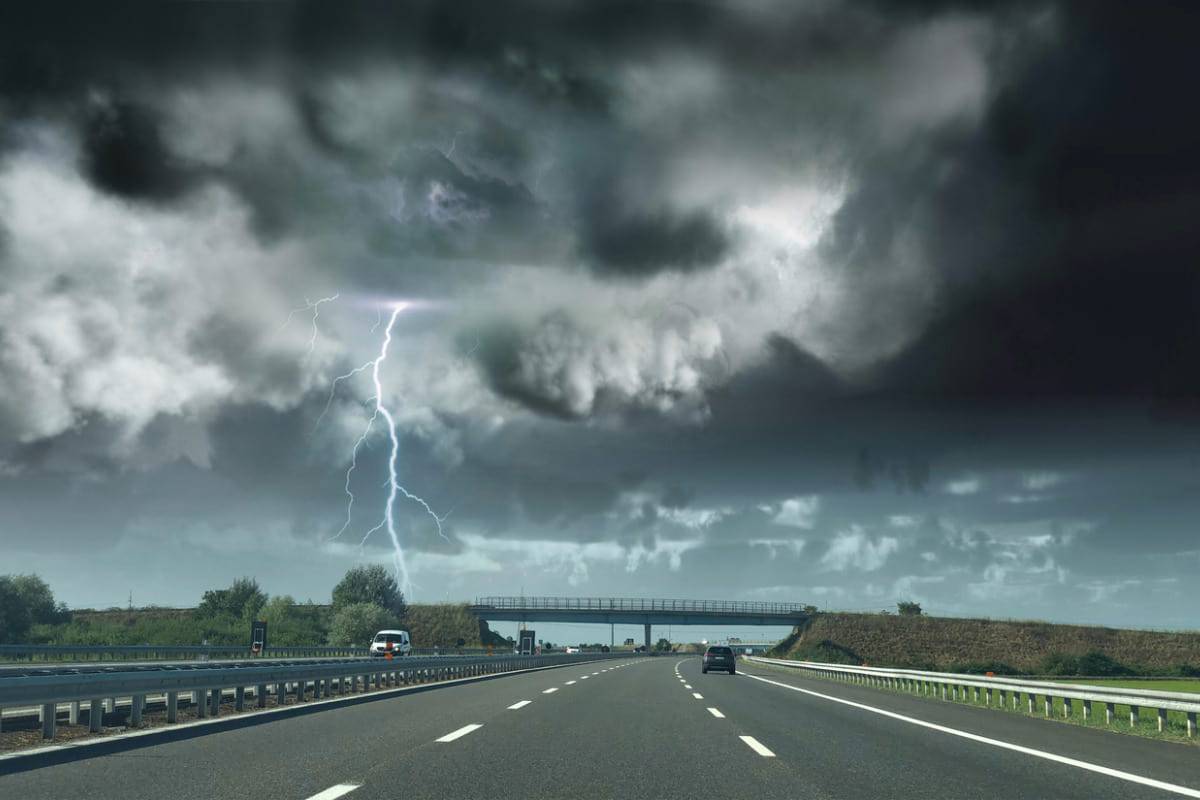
{"x":124,"y":153}
{"x":659,"y":376}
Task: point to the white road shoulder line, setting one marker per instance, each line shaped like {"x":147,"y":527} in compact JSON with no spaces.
{"x":520,"y":704}
{"x":1085,"y":765}
{"x":757,"y":746}
{"x":551,"y":690}
{"x":458,"y":734}
{"x":335,"y":791}
{"x":716,"y":713}
{"x":697,"y":695}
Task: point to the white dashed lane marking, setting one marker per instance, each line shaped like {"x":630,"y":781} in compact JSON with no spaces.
{"x":716,"y":713}
{"x":520,"y":704}
{"x":461,"y":732}
{"x":570,"y":683}
{"x":334,"y":792}
{"x":697,"y":695}
{"x":757,"y":746}
{"x":551,"y":690}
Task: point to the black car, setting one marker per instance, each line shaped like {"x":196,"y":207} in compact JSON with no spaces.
{"x":718,"y":658}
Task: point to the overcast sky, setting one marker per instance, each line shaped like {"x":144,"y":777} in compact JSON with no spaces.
{"x":830,"y":302}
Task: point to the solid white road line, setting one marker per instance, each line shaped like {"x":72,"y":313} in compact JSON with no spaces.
{"x":551,"y":690}
{"x":458,"y":734}
{"x":1072,"y":762}
{"x":757,"y":746}
{"x":716,"y":713}
{"x":334,"y":792}
{"x":570,"y":683}
{"x":520,"y":704}
{"x":697,"y":695}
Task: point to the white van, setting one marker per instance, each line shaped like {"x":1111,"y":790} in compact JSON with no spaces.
{"x":394,"y":642}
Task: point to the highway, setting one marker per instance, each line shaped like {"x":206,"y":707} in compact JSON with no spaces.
{"x":650,"y":727}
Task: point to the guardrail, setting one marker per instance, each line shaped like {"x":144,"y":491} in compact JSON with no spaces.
{"x":638,"y":604}
{"x":207,"y":684}
{"x":63,"y":652}
{"x":955,"y":686}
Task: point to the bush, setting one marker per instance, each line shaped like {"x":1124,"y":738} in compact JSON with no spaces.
{"x":356,"y":624}
{"x":908,"y":608}
{"x":1060,"y":664}
{"x":25,"y":601}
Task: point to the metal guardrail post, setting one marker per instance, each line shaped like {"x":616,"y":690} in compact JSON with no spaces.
{"x":49,"y":719}
{"x":172,"y":706}
{"x":95,"y":715}
{"x":239,"y":698}
{"x":136,"y":704}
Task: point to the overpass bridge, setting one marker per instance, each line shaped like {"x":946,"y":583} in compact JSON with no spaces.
{"x":637,"y":611}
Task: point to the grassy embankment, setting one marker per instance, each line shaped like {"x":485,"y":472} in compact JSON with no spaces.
{"x":439,"y":624}
{"x":1065,"y":653}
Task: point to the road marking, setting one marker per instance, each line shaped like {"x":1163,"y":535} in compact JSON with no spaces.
{"x":716,"y":713}
{"x":521,"y":704}
{"x":697,"y":695}
{"x":584,"y":677}
{"x":570,"y":683}
{"x":757,"y":746}
{"x":687,"y":686}
{"x":595,"y":673}
{"x":458,"y":734}
{"x":335,"y":791}
{"x":551,"y":690}
{"x":1072,"y":762}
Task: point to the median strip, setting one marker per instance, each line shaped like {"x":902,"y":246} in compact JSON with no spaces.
{"x":757,"y":746}
{"x":461,"y":732}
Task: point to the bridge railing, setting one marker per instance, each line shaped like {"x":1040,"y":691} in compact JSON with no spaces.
{"x":640,"y":604}
{"x":955,"y":686}
{"x":98,"y":689}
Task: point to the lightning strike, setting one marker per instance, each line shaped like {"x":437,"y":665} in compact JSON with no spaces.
{"x":395,"y":489}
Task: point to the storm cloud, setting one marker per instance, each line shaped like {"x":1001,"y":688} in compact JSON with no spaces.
{"x":799,"y":300}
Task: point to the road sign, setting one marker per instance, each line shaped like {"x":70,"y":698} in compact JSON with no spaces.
{"x":258,"y":636}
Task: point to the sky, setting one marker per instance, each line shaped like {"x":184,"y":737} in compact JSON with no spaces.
{"x":833,"y":302}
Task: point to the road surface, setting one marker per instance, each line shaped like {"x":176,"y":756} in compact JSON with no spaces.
{"x":651,"y":727}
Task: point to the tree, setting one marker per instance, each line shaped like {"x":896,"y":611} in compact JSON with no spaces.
{"x":908,"y":608}
{"x":15,"y":619}
{"x":370,"y":584}
{"x":38,"y":598}
{"x":243,"y":599}
{"x":357,"y":623}
{"x":662,"y":644}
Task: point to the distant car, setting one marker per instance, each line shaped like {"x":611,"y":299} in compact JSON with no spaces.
{"x":571,"y":650}
{"x":717,"y":657}
{"x":394,"y":642}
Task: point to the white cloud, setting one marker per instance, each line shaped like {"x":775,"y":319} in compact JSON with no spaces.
{"x":903,"y":521}
{"x":964,"y":486}
{"x":853,"y":548}
{"x":776,"y":546}
{"x":1040,"y":481}
{"x":798,"y":512}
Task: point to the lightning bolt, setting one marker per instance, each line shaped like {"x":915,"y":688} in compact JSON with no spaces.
{"x":315,"y":307}
{"x":393,"y":485}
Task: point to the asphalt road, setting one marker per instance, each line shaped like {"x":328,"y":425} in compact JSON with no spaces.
{"x":632,"y":728}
